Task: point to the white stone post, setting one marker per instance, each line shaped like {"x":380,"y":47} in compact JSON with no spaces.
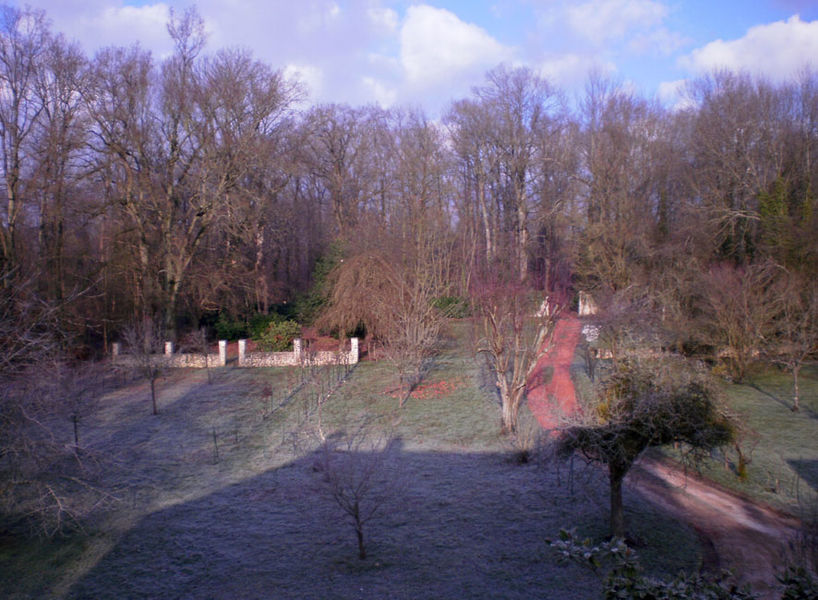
{"x":168,"y":348}
{"x":222,"y":352}
{"x":297,"y":350}
{"x":242,"y":351}
{"x":353,"y":351}
{"x":116,"y":348}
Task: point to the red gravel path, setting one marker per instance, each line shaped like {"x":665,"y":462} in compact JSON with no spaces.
{"x":748,"y":538}
{"x":550,"y":389}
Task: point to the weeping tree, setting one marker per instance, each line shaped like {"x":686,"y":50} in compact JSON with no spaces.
{"x":391,"y":292}
{"x":643,"y":404}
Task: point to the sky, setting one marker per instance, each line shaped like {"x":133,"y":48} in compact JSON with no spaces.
{"x":426,"y":54}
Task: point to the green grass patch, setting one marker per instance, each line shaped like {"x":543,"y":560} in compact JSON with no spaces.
{"x":782,"y":444}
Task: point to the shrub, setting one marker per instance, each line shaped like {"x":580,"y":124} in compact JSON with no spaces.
{"x":229,"y":329}
{"x":259,"y":323}
{"x":278,"y":336}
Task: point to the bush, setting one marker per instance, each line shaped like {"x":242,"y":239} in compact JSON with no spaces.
{"x":229,"y":329}
{"x":259,"y":323}
{"x":278,"y":336}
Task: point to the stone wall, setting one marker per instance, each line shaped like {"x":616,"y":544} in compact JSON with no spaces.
{"x":175,"y":361}
{"x":298,"y":356}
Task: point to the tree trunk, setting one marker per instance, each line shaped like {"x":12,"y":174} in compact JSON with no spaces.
{"x":361,"y":548}
{"x":511,"y":403}
{"x":616,"y":474}
{"x":795,"y":392}
{"x":153,"y":395}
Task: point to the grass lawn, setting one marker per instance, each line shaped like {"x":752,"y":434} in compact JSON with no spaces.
{"x":222,"y":496}
{"x":783,"y":445}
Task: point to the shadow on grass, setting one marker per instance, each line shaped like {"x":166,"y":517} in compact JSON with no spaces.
{"x":807,"y":470}
{"x":769,"y":394}
{"x":462,"y":525}
{"x":803,"y":409}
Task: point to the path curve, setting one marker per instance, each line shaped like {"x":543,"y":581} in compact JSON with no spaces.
{"x":749,"y":539}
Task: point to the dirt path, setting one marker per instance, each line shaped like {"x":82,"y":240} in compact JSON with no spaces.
{"x":749,"y":539}
{"x":550,"y":389}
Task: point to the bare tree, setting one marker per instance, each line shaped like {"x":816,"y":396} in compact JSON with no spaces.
{"x":796,"y":325}
{"x":390,"y":289}
{"x":738,"y":311}
{"x":24,"y":39}
{"x":645,"y":404}
{"x":144,"y":340}
{"x":45,"y":481}
{"x":516,"y":326}
{"x":196,"y":341}
{"x":358,"y":474}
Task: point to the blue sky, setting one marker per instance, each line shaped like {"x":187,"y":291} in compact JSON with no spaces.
{"x":401,"y":52}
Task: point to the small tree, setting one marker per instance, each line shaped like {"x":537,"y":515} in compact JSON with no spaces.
{"x":78,"y":386}
{"x":516,"y":327}
{"x":144,"y":340}
{"x":796,"y":329}
{"x":739,"y":310}
{"x":356,"y":476}
{"x":196,"y":342}
{"x":644,"y":404}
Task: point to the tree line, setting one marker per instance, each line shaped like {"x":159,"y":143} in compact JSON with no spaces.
{"x":201,"y":183}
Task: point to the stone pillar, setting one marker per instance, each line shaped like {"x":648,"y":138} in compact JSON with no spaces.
{"x":168,"y":348}
{"x":242,"y":351}
{"x":116,"y":349}
{"x":353,"y":351}
{"x":222,"y":352}
{"x":297,"y":350}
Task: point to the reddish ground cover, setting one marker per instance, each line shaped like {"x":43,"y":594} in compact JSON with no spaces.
{"x":430,"y":390}
{"x":550,"y":389}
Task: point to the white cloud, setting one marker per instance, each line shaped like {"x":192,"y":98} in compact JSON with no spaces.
{"x":603,"y":20}
{"x":777,"y":50}
{"x":661,"y":41}
{"x":673,"y":94}
{"x":436,"y":46}
{"x":384,"y":19}
{"x":124,"y":25}
{"x":384,"y":95}
{"x":571,"y":70}
{"x":311,"y":76}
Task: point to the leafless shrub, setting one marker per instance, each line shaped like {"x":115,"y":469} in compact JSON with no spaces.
{"x":196,"y":342}
{"x":359,"y":473}
{"x":144,"y":341}
{"x":739,"y":311}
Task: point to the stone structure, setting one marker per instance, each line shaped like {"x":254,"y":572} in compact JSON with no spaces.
{"x":587,"y":306}
{"x":298,"y":356}
{"x":175,"y":361}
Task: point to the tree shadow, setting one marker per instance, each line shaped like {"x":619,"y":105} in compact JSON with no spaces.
{"x":807,"y":470}
{"x":464,"y":525}
{"x":805,"y":410}
{"x":769,"y":394}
